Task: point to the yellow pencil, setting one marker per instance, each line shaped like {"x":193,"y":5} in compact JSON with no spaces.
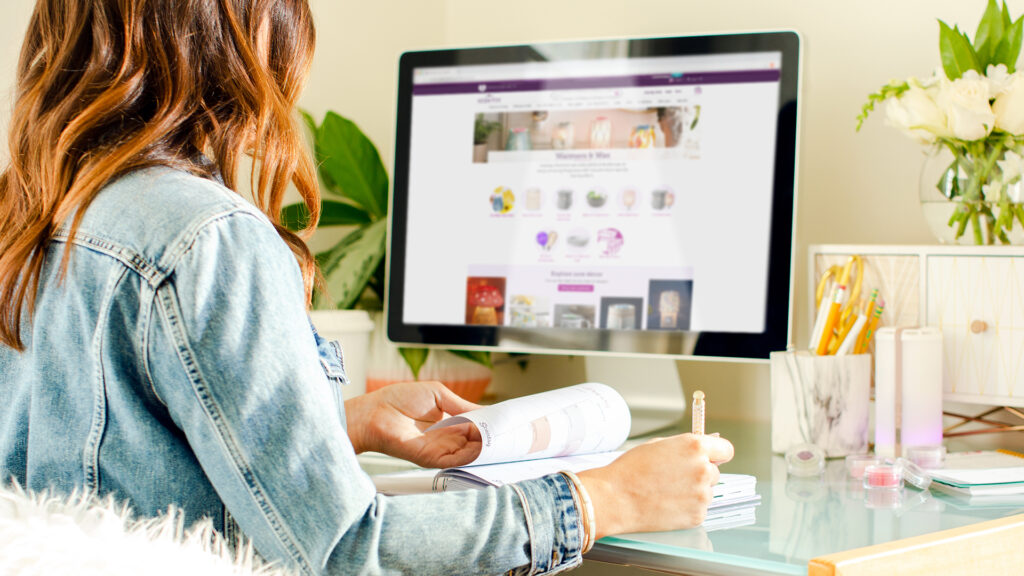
{"x":867,"y":312}
{"x":872,"y":325}
{"x":846,"y":327}
{"x":838,"y":299}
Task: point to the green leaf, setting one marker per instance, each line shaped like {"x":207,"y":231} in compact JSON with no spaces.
{"x":308,"y":120}
{"x":957,"y":53}
{"x":332,"y":213}
{"x":989,"y":34}
{"x":415,"y":358}
{"x":347,"y":266}
{"x":950,"y":180}
{"x":295,"y":217}
{"x":482,"y":358}
{"x":1001,"y":55}
{"x":342,"y":214}
{"x":1014,"y":35}
{"x":350,"y":164}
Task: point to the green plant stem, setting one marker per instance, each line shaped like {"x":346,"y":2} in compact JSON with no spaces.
{"x":990,"y":223}
{"x":980,"y":173}
{"x":976,"y":228}
{"x":1005,"y":214}
{"x":962,"y":215}
{"x":1019,"y":210}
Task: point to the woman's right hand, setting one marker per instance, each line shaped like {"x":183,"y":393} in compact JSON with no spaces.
{"x":663,"y":484}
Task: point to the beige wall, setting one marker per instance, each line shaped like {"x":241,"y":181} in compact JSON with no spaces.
{"x":852,"y":187}
{"x":15,"y":18}
{"x":355,"y":69}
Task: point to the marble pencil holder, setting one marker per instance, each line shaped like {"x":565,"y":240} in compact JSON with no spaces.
{"x":821,"y":400}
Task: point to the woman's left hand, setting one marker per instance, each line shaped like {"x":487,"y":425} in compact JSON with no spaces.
{"x":394,"y":419}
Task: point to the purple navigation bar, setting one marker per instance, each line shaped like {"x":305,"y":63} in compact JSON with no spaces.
{"x":639,"y":81}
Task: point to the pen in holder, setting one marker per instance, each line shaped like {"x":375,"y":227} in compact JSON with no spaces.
{"x":820,"y":400}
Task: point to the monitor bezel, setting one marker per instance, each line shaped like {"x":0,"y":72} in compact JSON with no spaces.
{"x":714,"y":345}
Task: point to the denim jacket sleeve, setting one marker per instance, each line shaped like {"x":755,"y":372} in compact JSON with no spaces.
{"x":231,"y":354}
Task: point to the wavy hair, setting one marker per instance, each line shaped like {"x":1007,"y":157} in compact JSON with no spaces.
{"x":105,"y":87}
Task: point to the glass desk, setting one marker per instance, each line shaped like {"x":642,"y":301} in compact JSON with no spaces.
{"x":798,"y":519}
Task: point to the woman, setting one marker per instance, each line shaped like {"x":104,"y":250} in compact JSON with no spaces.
{"x":154,"y":342}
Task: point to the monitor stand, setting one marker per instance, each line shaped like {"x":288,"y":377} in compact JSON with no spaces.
{"x":651,"y":388}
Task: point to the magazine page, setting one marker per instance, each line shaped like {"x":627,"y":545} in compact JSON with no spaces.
{"x":511,"y":472}
{"x":580,"y":419}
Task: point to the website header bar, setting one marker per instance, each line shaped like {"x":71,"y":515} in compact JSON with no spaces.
{"x":633,"y":81}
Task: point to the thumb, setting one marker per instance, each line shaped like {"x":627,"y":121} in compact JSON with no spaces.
{"x":452,"y":403}
{"x":718,"y":449}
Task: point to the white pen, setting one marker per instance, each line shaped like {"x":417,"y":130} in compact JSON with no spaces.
{"x":698,"y":413}
{"x":851,"y":336}
{"x":819,"y":323}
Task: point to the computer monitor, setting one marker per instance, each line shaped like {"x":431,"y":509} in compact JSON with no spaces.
{"x":630,"y":196}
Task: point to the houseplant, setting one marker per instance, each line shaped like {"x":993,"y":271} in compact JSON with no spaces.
{"x":354,"y":184}
{"x":970,"y":115}
{"x":482,"y":130}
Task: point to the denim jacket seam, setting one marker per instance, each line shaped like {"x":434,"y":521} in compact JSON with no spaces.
{"x":94,"y":439}
{"x":154,"y":272}
{"x":574,"y":563}
{"x":339,"y":399}
{"x":146,"y":325}
{"x":167,"y":309}
{"x":565,"y":554}
{"x":129,"y":258}
{"x":187,"y":239}
{"x":529,"y":526}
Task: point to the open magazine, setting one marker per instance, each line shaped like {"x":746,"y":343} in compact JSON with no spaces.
{"x":582,"y":419}
{"x":574,"y":428}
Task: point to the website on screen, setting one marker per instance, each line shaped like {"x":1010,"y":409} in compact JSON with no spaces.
{"x":630,"y":195}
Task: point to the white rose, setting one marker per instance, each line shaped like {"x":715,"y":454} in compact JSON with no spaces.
{"x":1009,"y":106}
{"x":965,"y":101}
{"x":998,"y":79}
{"x":916,"y":113}
{"x":1012,"y":166}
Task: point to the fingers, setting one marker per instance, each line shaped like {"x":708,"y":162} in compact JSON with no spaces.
{"x":713,"y":474}
{"x":466,"y":430}
{"x":718,"y":449}
{"x":451,"y":402}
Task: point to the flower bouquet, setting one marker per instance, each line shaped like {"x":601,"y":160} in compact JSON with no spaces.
{"x":970,"y":113}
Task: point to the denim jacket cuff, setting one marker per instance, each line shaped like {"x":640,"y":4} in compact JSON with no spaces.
{"x":554,"y":525}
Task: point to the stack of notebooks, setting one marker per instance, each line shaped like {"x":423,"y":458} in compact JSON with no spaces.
{"x":574,"y":428}
{"x":989,"y":476}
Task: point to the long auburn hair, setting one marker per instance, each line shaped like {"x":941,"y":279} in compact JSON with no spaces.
{"x":105,"y":87}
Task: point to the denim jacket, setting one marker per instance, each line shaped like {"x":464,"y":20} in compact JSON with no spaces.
{"x":174,"y":364}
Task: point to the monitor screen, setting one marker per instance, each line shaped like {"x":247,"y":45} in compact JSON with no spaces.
{"x":631,"y":196}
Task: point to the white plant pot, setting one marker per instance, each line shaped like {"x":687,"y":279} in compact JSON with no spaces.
{"x":352,"y":329}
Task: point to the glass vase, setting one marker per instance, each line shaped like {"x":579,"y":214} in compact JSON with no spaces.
{"x":963,"y":199}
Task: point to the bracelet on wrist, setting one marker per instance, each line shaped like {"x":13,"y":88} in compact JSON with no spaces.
{"x":586,"y":510}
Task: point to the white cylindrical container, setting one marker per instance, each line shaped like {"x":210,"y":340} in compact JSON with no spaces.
{"x":885,"y":393}
{"x":908,"y":389}
{"x":922,"y":388}
{"x":351,"y":328}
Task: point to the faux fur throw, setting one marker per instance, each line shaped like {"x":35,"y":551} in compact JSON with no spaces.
{"x":41,"y":534}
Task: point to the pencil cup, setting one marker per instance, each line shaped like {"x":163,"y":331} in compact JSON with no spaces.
{"x":820,"y":400}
